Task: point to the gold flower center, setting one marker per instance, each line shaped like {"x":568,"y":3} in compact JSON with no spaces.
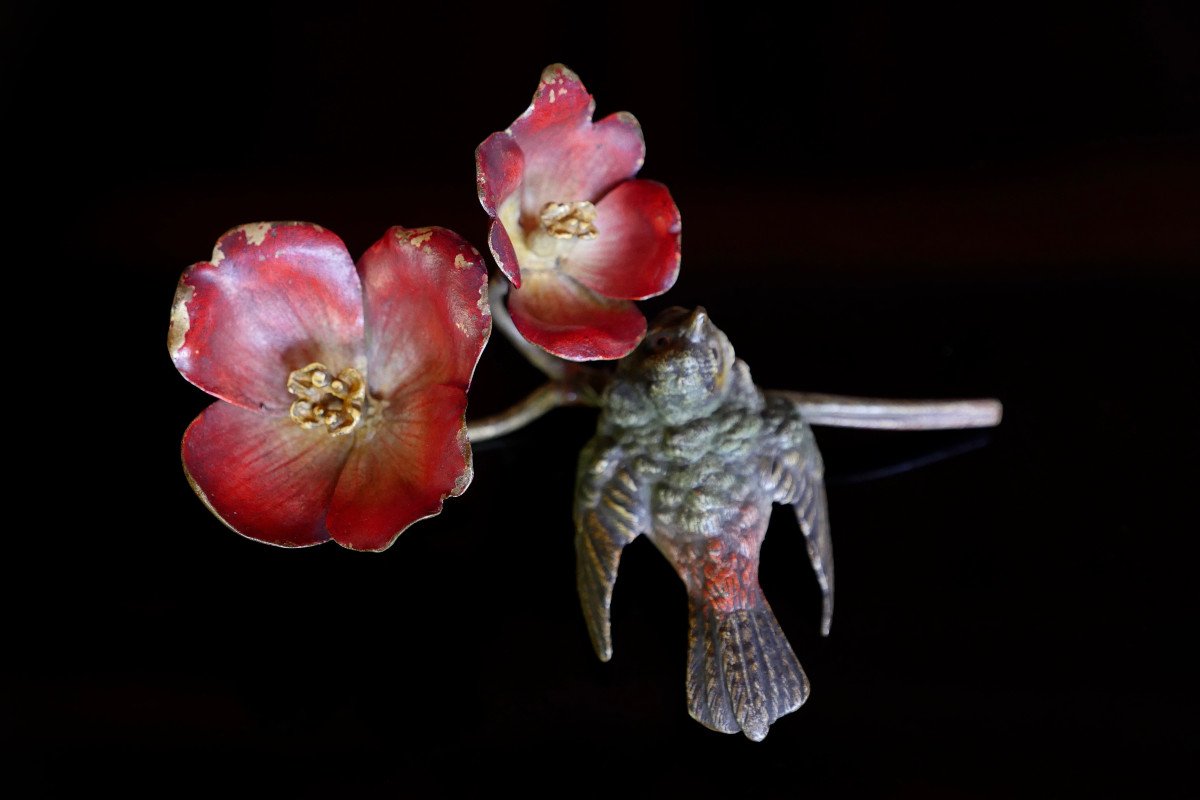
{"x":324,"y":399}
{"x":570,"y":220}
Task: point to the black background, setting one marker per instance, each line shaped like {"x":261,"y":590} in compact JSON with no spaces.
{"x":888,"y":199}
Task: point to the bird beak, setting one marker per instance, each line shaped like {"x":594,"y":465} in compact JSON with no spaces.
{"x":696,"y":324}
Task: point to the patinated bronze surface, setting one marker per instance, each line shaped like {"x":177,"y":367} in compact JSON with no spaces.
{"x":692,"y":454}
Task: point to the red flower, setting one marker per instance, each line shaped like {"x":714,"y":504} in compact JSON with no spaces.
{"x":344,"y":390}
{"x":576,"y":236}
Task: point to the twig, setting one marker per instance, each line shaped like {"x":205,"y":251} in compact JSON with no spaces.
{"x":547,"y":397}
{"x":897,"y":415}
{"x":555,"y":368}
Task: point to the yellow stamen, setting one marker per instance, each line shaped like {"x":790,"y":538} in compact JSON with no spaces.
{"x":336,"y":405}
{"x":572,"y":220}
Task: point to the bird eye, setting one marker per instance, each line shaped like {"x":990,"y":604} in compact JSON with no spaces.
{"x":660,"y":342}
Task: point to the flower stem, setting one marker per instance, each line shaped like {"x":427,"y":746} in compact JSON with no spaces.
{"x":573,"y":384}
{"x":898,"y":415}
{"x":555,"y":368}
{"x":547,"y":397}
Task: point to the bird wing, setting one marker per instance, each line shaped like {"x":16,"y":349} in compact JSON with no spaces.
{"x":797,"y":477}
{"x":611,"y":510}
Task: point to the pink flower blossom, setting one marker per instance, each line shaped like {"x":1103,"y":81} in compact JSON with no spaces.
{"x":577,"y":235}
{"x":341,"y":390}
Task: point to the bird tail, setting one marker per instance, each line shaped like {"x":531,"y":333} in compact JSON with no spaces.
{"x":742,"y":673}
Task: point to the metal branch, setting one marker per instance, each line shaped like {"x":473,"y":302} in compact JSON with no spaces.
{"x":897,"y":415}
{"x":546,"y":398}
{"x":555,"y":368}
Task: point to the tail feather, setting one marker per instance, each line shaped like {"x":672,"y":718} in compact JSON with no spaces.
{"x":742,"y":673}
{"x":708,"y":696}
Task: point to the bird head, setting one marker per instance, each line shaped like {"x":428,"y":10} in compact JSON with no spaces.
{"x":684,"y":365}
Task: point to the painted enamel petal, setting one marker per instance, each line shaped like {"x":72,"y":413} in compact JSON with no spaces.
{"x":567,"y":157}
{"x":560,"y":100}
{"x":637,"y":254}
{"x":567,"y":319}
{"x":499,"y":165}
{"x":577,"y":308}
{"x":264,"y":476}
{"x":402,"y":469}
{"x":427,"y":317}
{"x":504,"y":252}
{"x":274,"y":298}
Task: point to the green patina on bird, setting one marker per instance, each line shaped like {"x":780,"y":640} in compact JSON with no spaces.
{"x":689,"y":452}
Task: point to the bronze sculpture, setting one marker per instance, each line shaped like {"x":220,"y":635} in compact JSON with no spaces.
{"x":692,"y":454}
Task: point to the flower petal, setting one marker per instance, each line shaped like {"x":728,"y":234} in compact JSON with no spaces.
{"x":567,"y":158}
{"x":425,"y":295}
{"x":503,"y":251}
{"x":636,"y":253}
{"x":499,"y":166}
{"x":560,"y":315}
{"x":263,"y":475}
{"x":275,"y":297}
{"x":402,"y":468}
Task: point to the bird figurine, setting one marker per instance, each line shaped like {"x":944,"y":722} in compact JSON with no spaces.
{"x":689,"y":452}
